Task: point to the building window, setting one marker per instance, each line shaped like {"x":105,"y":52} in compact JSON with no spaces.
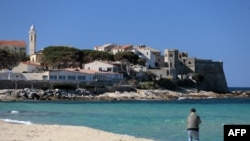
{"x":171,"y":55}
{"x":45,"y":77}
{"x":166,"y":64}
{"x":61,"y":77}
{"x":100,"y":69}
{"x":167,"y":72}
{"x":115,"y":69}
{"x":53,"y":77}
{"x":71,"y":77}
{"x":109,"y":69}
{"x":81,"y":77}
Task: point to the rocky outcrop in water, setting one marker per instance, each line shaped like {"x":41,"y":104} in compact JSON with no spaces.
{"x":83,"y":95}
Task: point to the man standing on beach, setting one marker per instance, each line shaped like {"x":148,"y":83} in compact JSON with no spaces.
{"x":193,"y":122}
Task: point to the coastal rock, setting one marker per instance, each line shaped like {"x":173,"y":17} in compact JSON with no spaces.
{"x":181,"y":94}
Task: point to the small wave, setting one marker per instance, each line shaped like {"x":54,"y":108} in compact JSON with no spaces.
{"x":14,"y":112}
{"x":17,"y":121}
{"x":167,"y":120}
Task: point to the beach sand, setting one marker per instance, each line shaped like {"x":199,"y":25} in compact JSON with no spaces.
{"x":36,"y":132}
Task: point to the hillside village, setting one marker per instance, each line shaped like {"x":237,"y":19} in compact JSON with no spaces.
{"x":173,"y":65}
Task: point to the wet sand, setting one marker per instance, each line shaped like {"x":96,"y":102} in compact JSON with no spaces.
{"x":36,"y":132}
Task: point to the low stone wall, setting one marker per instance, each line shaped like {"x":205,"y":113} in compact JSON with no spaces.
{"x":20,"y":84}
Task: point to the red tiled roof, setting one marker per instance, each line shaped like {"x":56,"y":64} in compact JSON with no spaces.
{"x":15,"y":43}
{"x":125,"y":46}
{"x":122,"y":47}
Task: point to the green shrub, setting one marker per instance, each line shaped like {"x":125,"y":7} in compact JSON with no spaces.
{"x":166,"y":84}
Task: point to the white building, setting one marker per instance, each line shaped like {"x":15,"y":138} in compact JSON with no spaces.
{"x":27,"y":67}
{"x":101,"y":66}
{"x":69,"y":75}
{"x":123,"y":48}
{"x":105,"y":48}
{"x":81,"y":75}
{"x":152,"y":56}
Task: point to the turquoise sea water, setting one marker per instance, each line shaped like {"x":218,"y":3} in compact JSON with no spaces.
{"x":158,"y":120}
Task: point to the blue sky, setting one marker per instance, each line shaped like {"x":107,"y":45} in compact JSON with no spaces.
{"x":206,"y":29}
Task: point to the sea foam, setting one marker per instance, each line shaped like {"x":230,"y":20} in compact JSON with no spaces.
{"x":14,"y":112}
{"x":17,"y":121}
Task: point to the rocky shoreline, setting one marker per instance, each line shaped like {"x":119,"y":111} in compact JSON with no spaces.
{"x":82,"y":95}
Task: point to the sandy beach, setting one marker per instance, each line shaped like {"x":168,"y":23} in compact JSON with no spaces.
{"x":35,"y":132}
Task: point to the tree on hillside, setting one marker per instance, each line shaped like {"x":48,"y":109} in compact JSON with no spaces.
{"x":166,"y":84}
{"x":127,"y":55}
{"x":8,"y":59}
{"x":4,"y":59}
{"x":126,"y":58}
{"x":62,"y":57}
{"x":92,"y":55}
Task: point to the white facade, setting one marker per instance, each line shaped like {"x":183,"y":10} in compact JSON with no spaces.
{"x":81,"y":75}
{"x":27,"y":67}
{"x":108,"y":76}
{"x":106,"y":47}
{"x":70,"y":76}
{"x":67,"y":76}
{"x":151,"y":55}
{"x":35,"y":76}
{"x":100,"y":66}
{"x":36,"y":58}
{"x":123,"y":48}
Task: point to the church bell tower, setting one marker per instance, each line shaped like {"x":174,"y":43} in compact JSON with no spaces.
{"x":32,"y":40}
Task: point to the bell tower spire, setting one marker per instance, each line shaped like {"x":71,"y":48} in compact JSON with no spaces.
{"x":32,"y":40}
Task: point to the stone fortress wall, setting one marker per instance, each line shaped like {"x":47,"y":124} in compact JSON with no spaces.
{"x":179,"y":65}
{"x":214,"y":76}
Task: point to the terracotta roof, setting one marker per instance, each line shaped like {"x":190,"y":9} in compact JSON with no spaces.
{"x":122,"y":47}
{"x":126,"y":46}
{"x":15,"y":43}
{"x":148,"y":48}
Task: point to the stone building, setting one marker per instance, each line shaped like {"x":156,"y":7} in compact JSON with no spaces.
{"x":178,"y":66}
{"x":152,"y":57}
